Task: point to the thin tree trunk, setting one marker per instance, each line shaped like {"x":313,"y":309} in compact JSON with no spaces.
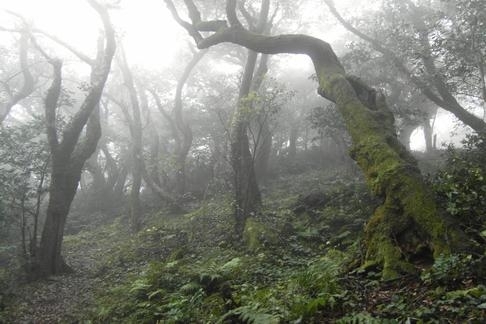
{"x":39,"y":193}
{"x":247,"y":193}
{"x":405,"y":134}
{"x":28,"y":80}
{"x":292,"y":148}
{"x":428,"y":134}
{"x":183,"y":127}
{"x":135,"y":126}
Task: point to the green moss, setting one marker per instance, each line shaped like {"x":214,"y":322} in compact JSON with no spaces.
{"x":214,"y":306}
{"x":409,"y":209}
{"x":256,"y":234}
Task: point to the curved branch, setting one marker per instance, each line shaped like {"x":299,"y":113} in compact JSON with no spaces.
{"x":180,"y":85}
{"x":28,"y":82}
{"x":83,"y":57}
{"x":99,"y":74}
{"x":187,"y":26}
{"x":167,"y":116}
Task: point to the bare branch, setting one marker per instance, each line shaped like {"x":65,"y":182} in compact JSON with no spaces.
{"x":250,"y":20}
{"x":99,"y":74}
{"x":28,"y":82}
{"x":187,"y":26}
{"x":83,"y":57}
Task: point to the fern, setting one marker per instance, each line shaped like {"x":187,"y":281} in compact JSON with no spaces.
{"x":251,"y":314}
{"x":139,"y":287}
{"x":364,"y":318}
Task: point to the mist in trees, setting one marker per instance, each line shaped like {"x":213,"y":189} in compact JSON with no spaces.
{"x":222,"y":134}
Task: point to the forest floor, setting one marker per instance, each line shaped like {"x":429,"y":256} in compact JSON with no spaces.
{"x":63,"y":298}
{"x":184,"y":269}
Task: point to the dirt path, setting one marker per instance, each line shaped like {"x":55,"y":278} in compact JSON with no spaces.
{"x":59,"y":299}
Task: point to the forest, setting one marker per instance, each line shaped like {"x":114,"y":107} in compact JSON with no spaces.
{"x":243,"y":161}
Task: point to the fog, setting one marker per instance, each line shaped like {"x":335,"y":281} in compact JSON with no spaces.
{"x":230,"y":161}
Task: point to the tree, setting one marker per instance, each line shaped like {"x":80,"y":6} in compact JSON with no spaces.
{"x":409,"y":106}
{"x":134,"y":121}
{"x":408,"y":218}
{"x":28,"y":80}
{"x":24,"y":175}
{"x":183,"y":127}
{"x":246,"y":191}
{"x":108,"y":170}
{"x":431,"y":80}
{"x":69,"y":153}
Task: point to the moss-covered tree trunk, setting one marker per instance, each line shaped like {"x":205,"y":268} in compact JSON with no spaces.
{"x":408,"y":219}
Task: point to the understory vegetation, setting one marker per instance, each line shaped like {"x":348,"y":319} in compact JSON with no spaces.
{"x":235,"y":161}
{"x":184,"y":268}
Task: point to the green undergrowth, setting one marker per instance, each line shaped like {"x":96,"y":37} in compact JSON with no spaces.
{"x":186,"y":268}
{"x":305,"y":273}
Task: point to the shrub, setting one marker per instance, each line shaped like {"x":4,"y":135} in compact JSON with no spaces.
{"x":461,"y":184}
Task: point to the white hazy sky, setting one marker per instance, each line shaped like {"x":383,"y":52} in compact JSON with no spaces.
{"x":149,"y":32}
{"x":150,"y":36}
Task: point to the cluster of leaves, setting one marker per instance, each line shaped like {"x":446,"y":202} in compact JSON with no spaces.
{"x":453,"y":269}
{"x":461,"y":184}
{"x":329,"y":122}
{"x":460,"y":41}
{"x":21,"y":167}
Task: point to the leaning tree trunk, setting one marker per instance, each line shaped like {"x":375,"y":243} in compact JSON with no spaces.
{"x":70,"y":153}
{"x":408,"y":219}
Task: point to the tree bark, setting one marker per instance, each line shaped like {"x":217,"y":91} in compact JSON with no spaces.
{"x":247,"y":192}
{"x":70,"y":153}
{"x":263,"y":151}
{"x":408,"y":218}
